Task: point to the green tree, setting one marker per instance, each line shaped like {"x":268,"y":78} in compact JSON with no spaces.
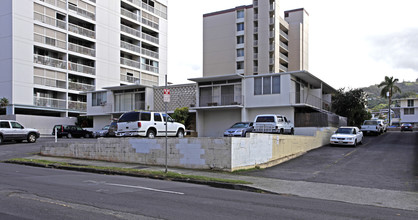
{"x":181,"y":115}
{"x":351,"y":104}
{"x":390,"y":88}
{"x":4,"y":102}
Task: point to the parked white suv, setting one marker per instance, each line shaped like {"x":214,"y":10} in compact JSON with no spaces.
{"x":273,"y":124}
{"x":148,"y":124}
{"x":13,"y":131}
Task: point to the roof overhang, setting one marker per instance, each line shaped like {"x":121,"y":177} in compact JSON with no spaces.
{"x":126,"y":87}
{"x":217,"y":78}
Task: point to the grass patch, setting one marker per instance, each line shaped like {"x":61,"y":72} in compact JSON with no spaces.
{"x":119,"y":170}
{"x":247,"y":170}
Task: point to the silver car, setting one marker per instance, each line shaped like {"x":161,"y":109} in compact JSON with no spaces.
{"x":239,"y":129}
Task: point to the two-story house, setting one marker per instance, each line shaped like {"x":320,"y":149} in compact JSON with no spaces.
{"x":408,"y":109}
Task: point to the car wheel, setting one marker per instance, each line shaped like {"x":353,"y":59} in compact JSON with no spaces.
{"x":180,"y":133}
{"x":151,"y":134}
{"x":244,"y":134}
{"x":1,"y":139}
{"x":292,"y":131}
{"x":32,"y":138}
{"x":69,"y":135}
{"x":355,"y":143}
{"x":281,"y":131}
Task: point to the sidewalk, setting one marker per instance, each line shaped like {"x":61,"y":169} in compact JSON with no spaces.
{"x":350,"y":194}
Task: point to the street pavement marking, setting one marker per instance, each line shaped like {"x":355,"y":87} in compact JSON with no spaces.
{"x":136,"y":187}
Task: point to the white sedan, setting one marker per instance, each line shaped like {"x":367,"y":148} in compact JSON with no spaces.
{"x":347,"y":136}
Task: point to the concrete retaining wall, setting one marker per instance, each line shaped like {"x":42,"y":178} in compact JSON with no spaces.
{"x":226,"y":154}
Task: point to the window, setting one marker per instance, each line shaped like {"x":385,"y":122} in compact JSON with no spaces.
{"x":267,"y":85}
{"x":240,"y":65}
{"x":240,"y":52}
{"x":16,"y":125}
{"x":145,"y":116}
{"x":157,"y":117}
{"x":411,"y":103}
{"x":240,"y":14}
{"x":99,"y":98}
{"x":4,"y":124}
{"x":240,"y":39}
{"x":240,"y":26}
{"x":409,"y":111}
{"x":127,"y":117}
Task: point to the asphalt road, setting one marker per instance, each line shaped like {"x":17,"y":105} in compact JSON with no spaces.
{"x":39,"y":193}
{"x":388,"y":161}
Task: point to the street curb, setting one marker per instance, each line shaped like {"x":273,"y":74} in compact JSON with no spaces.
{"x":109,"y":172}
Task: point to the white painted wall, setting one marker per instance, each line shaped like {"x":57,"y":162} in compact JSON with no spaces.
{"x":44,"y":124}
{"x":6,"y":50}
{"x":101,"y":121}
{"x":288,"y":112}
{"x":216,"y":121}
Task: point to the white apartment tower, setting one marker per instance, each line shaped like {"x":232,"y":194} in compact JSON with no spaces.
{"x":54,"y":51}
{"x":254,"y":39}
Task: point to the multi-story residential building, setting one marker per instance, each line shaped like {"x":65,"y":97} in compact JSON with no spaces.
{"x":408,"y":111}
{"x":53,"y":51}
{"x":254,"y":39}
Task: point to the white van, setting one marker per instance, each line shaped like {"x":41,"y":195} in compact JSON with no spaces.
{"x":271,"y":123}
{"x":148,"y":124}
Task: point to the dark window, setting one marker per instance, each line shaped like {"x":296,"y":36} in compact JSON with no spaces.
{"x":258,"y":86}
{"x":145,"y":116}
{"x":265,"y":119}
{"x":130,"y":116}
{"x":157,"y":117}
{"x":276,"y":85}
{"x":267,"y":85}
{"x":16,"y":125}
{"x":4,"y":124}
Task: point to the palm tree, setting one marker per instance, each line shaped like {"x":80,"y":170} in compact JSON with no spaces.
{"x":389,"y":88}
{"x":4,"y":102}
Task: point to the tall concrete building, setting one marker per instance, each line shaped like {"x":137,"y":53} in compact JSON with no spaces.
{"x":254,"y":39}
{"x":54,"y":51}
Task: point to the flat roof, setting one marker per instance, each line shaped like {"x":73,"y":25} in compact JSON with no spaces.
{"x":217,"y":78}
{"x":227,"y":10}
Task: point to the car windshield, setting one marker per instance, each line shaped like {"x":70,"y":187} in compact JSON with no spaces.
{"x":370,"y":123}
{"x":344,"y":131}
{"x":240,"y":125}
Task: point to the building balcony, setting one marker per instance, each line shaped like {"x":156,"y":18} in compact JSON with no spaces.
{"x":49,"y":41}
{"x":255,"y":3}
{"x":81,"y":31}
{"x":255,"y":43}
{"x":49,"y":82}
{"x":284,"y":57}
{"x":271,"y":47}
{"x":49,"y":61}
{"x":272,"y":34}
{"x":255,"y":30}
{"x":143,"y":5}
{"x":49,"y":102}
{"x":272,"y":21}
{"x":82,"y":12}
{"x":77,"y":106}
{"x":222,"y":100}
{"x":150,"y":38}
{"x":300,"y":98}
{"x":150,"y":23}
{"x":129,"y":79}
{"x":149,"y":68}
{"x":49,"y":20}
{"x":129,"y":62}
{"x":81,"y":49}
{"x":271,"y":7}
{"x":80,"y":86}
{"x":58,"y":3}
{"x":81,"y":68}
{"x":129,"y":14}
{"x":283,"y":68}
{"x":130,"y":30}
{"x":149,"y":53}
{"x":131,"y":47}
{"x":271,"y":61}
{"x":282,"y":33}
{"x":255,"y":69}
{"x":255,"y":56}
{"x":284,"y":46}
{"x":137,"y":18}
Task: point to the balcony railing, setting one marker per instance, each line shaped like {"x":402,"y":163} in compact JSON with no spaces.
{"x":149,"y":82}
{"x":222,"y":100}
{"x":49,"y":41}
{"x":131,"y":47}
{"x":59,"y":3}
{"x":49,"y":82}
{"x":284,"y":57}
{"x":80,"y":86}
{"x":271,"y":7}
{"x":49,"y":61}
{"x":149,"y":53}
{"x":149,"y":38}
{"x":255,"y":56}
{"x":82,"y":12}
{"x":129,"y":14}
{"x":308,"y":99}
{"x":49,"y":102}
{"x":271,"y":20}
{"x":255,"y":42}
{"x":131,"y":63}
{"x":271,"y":47}
{"x":255,"y":2}
{"x":78,"y":106}
{"x":129,"y":79}
{"x":284,"y":34}
{"x":283,"y":45}
{"x":80,"y":49}
{"x":283,"y":68}
{"x":272,"y":33}
{"x":149,"y":68}
{"x":150,"y":23}
{"x":255,"y":30}
{"x":271,"y":61}
{"x":81,"y":68}
{"x":81,"y":31}
{"x":49,"y":20}
{"x":255,"y":69}
{"x":130,"y":30}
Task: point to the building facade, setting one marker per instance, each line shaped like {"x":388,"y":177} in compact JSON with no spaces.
{"x":408,"y":111}
{"x":254,"y":39}
{"x":54,"y":51}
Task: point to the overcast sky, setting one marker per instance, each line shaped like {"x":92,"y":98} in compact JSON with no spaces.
{"x":352,"y":43}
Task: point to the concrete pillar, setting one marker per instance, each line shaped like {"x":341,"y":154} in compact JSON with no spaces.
{"x":10,"y":110}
